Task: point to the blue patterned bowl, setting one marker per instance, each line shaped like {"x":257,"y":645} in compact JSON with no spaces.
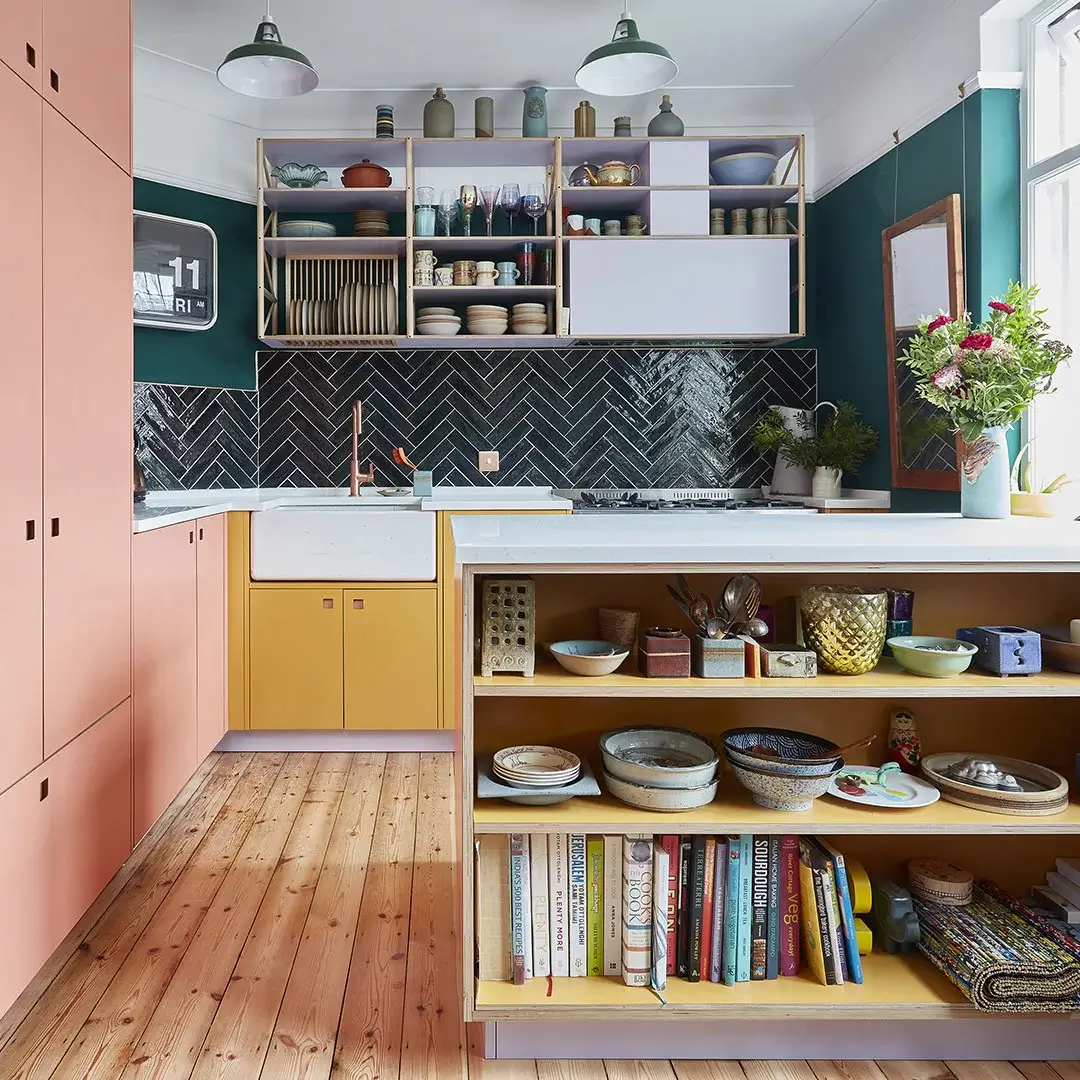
{"x":781,"y":752}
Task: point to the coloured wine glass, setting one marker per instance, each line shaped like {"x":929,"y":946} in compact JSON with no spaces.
{"x":468,"y":205}
{"x":448,"y":201}
{"x":489,"y":195}
{"x":510,"y":202}
{"x":535,"y":204}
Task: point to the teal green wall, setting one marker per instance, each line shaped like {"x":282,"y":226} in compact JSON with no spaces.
{"x":973,"y":150}
{"x":224,"y":355}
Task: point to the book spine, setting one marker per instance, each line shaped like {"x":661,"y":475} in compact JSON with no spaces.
{"x":541,"y":915}
{"x":493,"y":918}
{"x":637,"y":910}
{"x":1064,"y":887}
{"x":579,"y":900}
{"x":1069,"y":869}
{"x":830,"y":934}
{"x":789,"y":897}
{"x":730,"y":944}
{"x":671,"y":846}
{"x":746,"y":870}
{"x":660,"y":917}
{"x":558,"y":884}
{"x":612,"y":905}
{"x":847,"y":915}
{"x":810,"y":914}
{"x":707,"y":894}
{"x":759,"y":899}
{"x":594,"y":916}
{"x":697,"y":909}
{"x":519,"y":859}
{"x":716,"y":935}
{"x":1055,"y":903}
{"x":683,"y":929}
{"x":528,"y":914}
{"x":772,"y":959}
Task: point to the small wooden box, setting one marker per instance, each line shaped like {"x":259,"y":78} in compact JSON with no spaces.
{"x":719,"y":658}
{"x":664,"y":653}
{"x":788,"y":662}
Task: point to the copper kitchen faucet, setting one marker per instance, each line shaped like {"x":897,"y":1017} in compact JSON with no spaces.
{"x":356,"y":477}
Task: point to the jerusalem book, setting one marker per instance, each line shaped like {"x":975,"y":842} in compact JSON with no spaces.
{"x":519,"y":928}
{"x":671,"y":846}
{"x":772,"y":958}
{"x":746,"y":871}
{"x":790,"y":904}
{"x":1069,"y":868}
{"x":660,"y":917}
{"x":716,"y":935}
{"x":759,"y":901}
{"x":637,"y":910}
{"x":541,"y":914}
{"x":853,"y":963}
{"x":730,"y":943}
{"x":594,"y":914}
{"x":559,"y":887}
{"x":493,"y":918}
{"x":683,"y":927}
{"x":697,"y":909}
{"x":579,"y":902}
{"x":812,"y":910}
{"x":708,"y":894}
{"x":612,"y":905}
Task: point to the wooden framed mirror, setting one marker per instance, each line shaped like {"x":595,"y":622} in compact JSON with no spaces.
{"x":922,"y":260}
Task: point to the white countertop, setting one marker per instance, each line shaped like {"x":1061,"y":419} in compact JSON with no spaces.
{"x":163,"y":508}
{"x":762,"y":540}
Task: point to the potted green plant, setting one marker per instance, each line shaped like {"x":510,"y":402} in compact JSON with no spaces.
{"x":841,"y":445}
{"x":1029,"y":498}
{"x":984,"y":378}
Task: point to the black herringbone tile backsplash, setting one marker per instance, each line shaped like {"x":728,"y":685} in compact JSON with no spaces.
{"x":600,"y":417}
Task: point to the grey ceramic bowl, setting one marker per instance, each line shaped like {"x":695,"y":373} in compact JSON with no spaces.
{"x":782,"y":792}
{"x":780,"y":767}
{"x":790,"y":751}
{"x":659,"y":757}
{"x":666,"y":800}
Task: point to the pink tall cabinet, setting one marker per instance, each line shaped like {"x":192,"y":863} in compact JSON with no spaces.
{"x":65,"y":440}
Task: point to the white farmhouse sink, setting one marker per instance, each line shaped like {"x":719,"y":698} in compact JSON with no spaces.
{"x":343,"y":543}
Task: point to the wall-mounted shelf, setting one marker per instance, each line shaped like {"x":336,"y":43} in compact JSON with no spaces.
{"x":333,"y":200}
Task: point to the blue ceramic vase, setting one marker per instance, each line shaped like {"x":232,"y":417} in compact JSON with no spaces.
{"x":534,"y":124}
{"x":984,"y":475}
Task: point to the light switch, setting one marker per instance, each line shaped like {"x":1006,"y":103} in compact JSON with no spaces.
{"x":489,"y":460}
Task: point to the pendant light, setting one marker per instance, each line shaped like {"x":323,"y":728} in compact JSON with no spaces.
{"x":626,"y":65}
{"x":266,"y":68}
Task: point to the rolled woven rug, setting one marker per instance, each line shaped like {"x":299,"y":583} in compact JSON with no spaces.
{"x":1001,"y":954}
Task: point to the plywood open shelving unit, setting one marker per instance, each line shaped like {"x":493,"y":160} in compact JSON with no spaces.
{"x":1033,"y":716}
{"x":404,"y":157}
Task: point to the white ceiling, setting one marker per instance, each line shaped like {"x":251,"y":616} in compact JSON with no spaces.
{"x":461,"y":44}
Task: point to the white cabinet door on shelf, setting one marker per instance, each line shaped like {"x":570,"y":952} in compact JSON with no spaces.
{"x":630,"y":286}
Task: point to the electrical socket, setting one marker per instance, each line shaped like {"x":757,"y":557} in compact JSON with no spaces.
{"x":489,"y":460}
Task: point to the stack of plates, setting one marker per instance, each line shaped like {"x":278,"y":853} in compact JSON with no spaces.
{"x":312,"y":318}
{"x":530,"y":319}
{"x":488,"y":320}
{"x":536,"y":766}
{"x":306,"y":228}
{"x":437,"y":322}
{"x":368,"y":309}
{"x":371,"y":223}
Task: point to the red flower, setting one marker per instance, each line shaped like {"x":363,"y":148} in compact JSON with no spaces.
{"x":1000,"y":305}
{"x":977,"y":342}
{"x":939,"y":322}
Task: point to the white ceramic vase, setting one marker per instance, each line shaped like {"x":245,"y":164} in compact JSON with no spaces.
{"x":788,"y":479}
{"x":826,"y":483}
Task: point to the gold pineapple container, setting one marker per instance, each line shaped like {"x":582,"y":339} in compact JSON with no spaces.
{"x":845,"y":626}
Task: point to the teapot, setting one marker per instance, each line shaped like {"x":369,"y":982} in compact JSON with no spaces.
{"x":615,"y":174}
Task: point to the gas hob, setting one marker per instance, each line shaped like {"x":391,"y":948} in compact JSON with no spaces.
{"x":675,"y":501}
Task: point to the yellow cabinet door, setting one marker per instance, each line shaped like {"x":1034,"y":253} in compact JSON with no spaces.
{"x":295,"y":668}
{"x":391,"y":659}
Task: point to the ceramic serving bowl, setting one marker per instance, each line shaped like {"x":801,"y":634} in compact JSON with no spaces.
{"x":659,"y":757}
{"x":933,"y":657}
{"x":300,"y":176}
{"x":589,"y":658}
{"x":782,"y":792}
{"x":666,"y":800}
{"x":781,"y":752}
{"x":435,"y":328}
{"x":421,"y":312}
{"x":365,"y":174}
{"x":743,"y":170}
{"x":306,"y":228}
{"x":530,"y":329}
{"x":487,"y":327}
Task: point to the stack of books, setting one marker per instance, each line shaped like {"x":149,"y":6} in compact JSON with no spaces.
{"x":644,"y":908}
{"x":1061,"y":893}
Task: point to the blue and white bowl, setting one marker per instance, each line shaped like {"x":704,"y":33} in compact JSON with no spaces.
{"x":306,"y":228}
{"x":781,"y":752}
{"x":749,"y":169}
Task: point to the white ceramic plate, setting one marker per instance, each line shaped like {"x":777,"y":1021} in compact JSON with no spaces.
{"x":536,"y":762}
{"x":391,"y":308}
{"x":858,"y":784}
{"x":305,"y":306}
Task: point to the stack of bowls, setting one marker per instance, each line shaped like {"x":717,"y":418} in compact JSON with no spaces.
{"x":371,"y":223}
{"x":530,"y":319}
{"x":782,"y":770}
{"x":653,"y":768}
{"x":488,"y":320}
{"x":536,"y":767}
{"x":437,"y":322}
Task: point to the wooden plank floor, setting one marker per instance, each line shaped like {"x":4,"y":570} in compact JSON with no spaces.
{"x":290,"y":918}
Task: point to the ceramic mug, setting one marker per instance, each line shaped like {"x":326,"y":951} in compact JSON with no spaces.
{"x":613,"y":227}
{"x":759,"y":221}
{"x":508,"y":273}
{"x":444,"y":275}
{"x":486,"y":273}
{"x":592,"y":226}
{"x":464,"y":272}
{"x":424,"y":260}
{"x":575,"y":223}
{"x":423,"y":276}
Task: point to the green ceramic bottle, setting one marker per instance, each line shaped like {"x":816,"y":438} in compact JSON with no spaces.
{"x":665,"y":122}
{"x":439,"y":116}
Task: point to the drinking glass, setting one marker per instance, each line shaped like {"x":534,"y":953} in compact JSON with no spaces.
{"x":425,"y":196}
{"x":510,"y":202}
{"x":535,"y":204}
{"x":489,"y":194}
{"x":447,"y":208}
{"x":468,"y":205}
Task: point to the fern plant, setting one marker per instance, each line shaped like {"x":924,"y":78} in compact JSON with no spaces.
{"x":844,"y":441}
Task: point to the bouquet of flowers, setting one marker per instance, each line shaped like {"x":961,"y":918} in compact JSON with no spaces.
{"x":986,"y":376}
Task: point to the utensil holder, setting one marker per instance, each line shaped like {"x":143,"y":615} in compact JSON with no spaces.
{"x":718,"y":658}
{"x":508,"y":642}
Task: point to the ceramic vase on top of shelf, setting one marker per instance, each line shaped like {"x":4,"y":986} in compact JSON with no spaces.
{"x":484,"y":117}
{"x":584,"y":121}
{"x":439,"y":116}
{"x":534,"y":121}
{"x":665,"y":122}
{"x":825,"y":483}
{"x":984,"y":475}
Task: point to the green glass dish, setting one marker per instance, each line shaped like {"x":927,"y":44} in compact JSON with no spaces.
{"x":933,"y":657}
{"x":300,"y":176}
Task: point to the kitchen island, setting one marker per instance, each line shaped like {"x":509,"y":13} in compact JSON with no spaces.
{"x":1022,"y":572}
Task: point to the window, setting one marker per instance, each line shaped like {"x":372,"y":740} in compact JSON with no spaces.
{"x":1052,"y":222}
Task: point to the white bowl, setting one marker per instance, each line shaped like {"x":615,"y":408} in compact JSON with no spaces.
{"x":486,"y":328}
{"x":659,"y":757}
{"x":439,"y":329}
{"x":666,"y":800}
{"x":591,"y":658}
{"x":421,"y":312}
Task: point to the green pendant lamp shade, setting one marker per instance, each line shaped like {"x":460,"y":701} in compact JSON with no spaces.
{"x":626,"y":65}
{"x":266,"y":68}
